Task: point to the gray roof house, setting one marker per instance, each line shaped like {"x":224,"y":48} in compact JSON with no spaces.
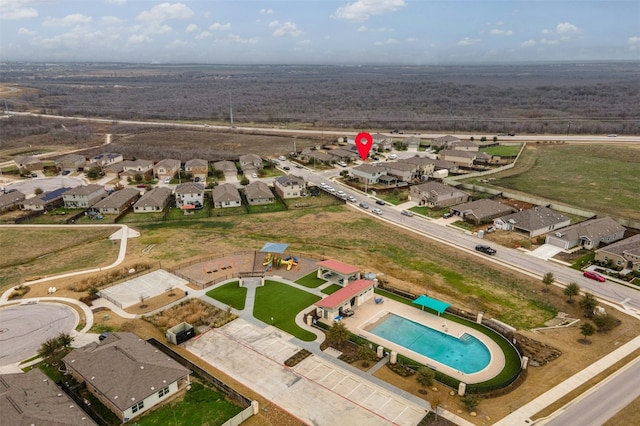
{"x":588,"y":234}
{"x":189,"y":194}
{"x":106,"y":159}
{"x":134,"y":167}
{"x":425,"y":165}
{"x":28,"y":162}
{"x":45,"y":201}
{"x":402,"y":170}
{"x":198,"y":168}
{"x":481,"y":211}
{"x":310,"y":155}
{"x":250,"y":162}
{"x":437,"y":195}
{"x":117,"y":202}
{"x":534,"y":221}
{"x":411,"y":142}
{"x":381,"y":141}
{"x":10,"y":200}
{"x":258,"y":193}
{"x":82,"y":197}
{"x":461,"y":158}
{"x":225,"y":166}
{"x":166,"y":168}
{"x":33,"y":399}
{"x":464,"y":146}
{"x":343,"y":154}
{"x":443,"y":141}
{"x":127,"y":374}
{"x":226,"y":195}
{"x":289,"y":186}
{"x":624,"y":254}
{"x":71,"y":162}
{"x":153,"y":201}
{"x":368,"y":173}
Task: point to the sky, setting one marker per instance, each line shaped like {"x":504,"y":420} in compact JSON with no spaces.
{"x":411,"y":32}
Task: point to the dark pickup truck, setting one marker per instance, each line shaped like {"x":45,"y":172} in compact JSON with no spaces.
{"x":485,"y":249}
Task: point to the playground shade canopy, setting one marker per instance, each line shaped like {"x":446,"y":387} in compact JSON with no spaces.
{"x":437,"y":305}
{"x":274,"y":248}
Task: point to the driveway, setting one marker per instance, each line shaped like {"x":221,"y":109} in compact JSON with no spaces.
{"x":545,"y":251}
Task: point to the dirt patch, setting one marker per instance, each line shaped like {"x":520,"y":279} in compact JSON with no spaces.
{"x":538,"y":352}
{"x":153,"y":303}
{"x":193,"y":311}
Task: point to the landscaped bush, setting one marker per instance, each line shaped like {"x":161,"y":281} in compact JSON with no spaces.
{"x":19,"y":291}
{"x":108,"y":278}
{"x":193,"y":311}
{"x":401,"y":369}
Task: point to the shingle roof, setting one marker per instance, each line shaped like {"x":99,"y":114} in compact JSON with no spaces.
{"x":125,"y":368}
{"x":257,"y":190}
{"x":189,"y":188}
{"x":117,"y":199}
{"x":369,"y":168}
{"x":225,"y":192}
{"x":484,"y":208}
{"x":85,"y":189}
{"x":629,"y":246}
{"x":593,"y":229}
{"x":535,"y":218}
{"x":196,"y":162}
{"x":290,"y":180}
{"x":168,"y":163}
{"x":225,"y":166}
{"x":157,"y":197}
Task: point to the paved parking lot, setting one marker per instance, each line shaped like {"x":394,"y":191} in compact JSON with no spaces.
{"x":317,"y":391}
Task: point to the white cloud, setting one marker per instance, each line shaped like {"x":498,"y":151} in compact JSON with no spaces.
{"x":116,"y":2}
{"x":14,"y":10}
{"x":177,"y":44}
{"x":237,"y":39}
{"x":217,"y":26}
{"x":528,"y":43}
{"x":285,"y":29}
{"x":67,"y":21}
{"x":266,"y":11}
{"x":364,"y":29}
{"x":387,"y":42}
{"x":361,"y":10}
{"x":468,"y":41}
{"x":634,"y":43}
{"x":548,"y":41}
{"x":191,"y":28}
{"x":567,"y":28}
{"x":165,"y":11}
{"x":203,"y":35}
{"x":111,"y":20}
{"x":138,"y":39}
{"x":501,"y":32}
{"x":25,"y":31}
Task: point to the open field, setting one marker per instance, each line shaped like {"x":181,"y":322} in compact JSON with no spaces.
{"x":599,"y":178}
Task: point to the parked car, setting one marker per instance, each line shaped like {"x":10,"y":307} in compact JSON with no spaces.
{"x":382,"y":203}
{"x":254,"y":175}
{"x":594,"y":276}
{"x":377,"y":211}
{"x":341,"y":194}
{"x":447,"y":215}
{"x":65,"y":172}
{"x":341,"y":164}
{"x":485,"y":249}
{"x":407,"y":213}
{"x":491,"y":229}
{"x":34,"y":175}
{"x":351,"y":198}
{"x":286,"y":168}
{"x":282,"y":158}
{"x":364,"y":205}
{"x":393,"y":157}
{"x":167,"y":180}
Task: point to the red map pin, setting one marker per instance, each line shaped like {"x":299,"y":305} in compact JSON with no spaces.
{"x":364,"y":142}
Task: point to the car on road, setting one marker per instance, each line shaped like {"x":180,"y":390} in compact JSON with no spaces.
{"x":298,"y":166}
{"x":323,"y":185}
{"x":393,"y":157}
{"x":351,"y":198}
{"x":382,"y":203}
{"x":341,"y":194}
{"x":594,"y":276}
{"x":286,"y":168}
{"x":447,"y":215}
{"x":485,"y":249}
{"x":65,"y":172}
{"x":34,"y":175}
{"x":377,"y":211}
{"x":408,"y":213}
{"x":282,"y":158}
{"x":613,"y":135}
{"x":341,"y":164}
{"x":491,"y":229}
{"x":330,"y":189}
{"x":364,"y":205}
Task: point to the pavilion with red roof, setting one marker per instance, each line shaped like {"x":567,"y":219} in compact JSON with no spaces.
{"x":338,"y":272}
{"x":354,"y":294}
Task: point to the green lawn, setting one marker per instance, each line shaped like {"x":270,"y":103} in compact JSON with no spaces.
{"x":230,"y":294}
{"x":201,"y":406}
{"x":311,"y":280}
{"x":331,"y":289}
{"x":502,"y":150}
{"x":177,"y":214}
{"x":278,"y":304}
{"x":396,"y":197}
{"x":276,"y":206}
{"x":426,"y":211}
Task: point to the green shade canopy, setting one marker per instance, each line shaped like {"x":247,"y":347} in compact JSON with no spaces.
{"x":435,"y":304}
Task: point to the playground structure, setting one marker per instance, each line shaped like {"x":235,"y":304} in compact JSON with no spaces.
{"x":270,"y":261}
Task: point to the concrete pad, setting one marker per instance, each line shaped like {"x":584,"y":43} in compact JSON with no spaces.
{"x":149,"y":285}
{"x":545,"y":251}
{"x":316,"y":390}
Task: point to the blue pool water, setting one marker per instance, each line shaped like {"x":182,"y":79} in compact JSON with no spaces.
{"x":467,"y":354}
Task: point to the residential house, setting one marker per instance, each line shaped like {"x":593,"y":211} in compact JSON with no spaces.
{"x":114,"y":169}
{"x":28,"y":162}
{"x":624,"y":254}
{"x":105,"y":159}
{"x":131,"y":168}
{"x":412,"y":142}
{"x":198,"y":168}
{"x":381,"y":142}
{"x":368,"y":173}
{"x":127,"y":374}
{"x":227,"y":167}
{"x":588,"y":234}
{"x":445,"y":165}
{"x":250,"y":163}
{"x":315,"y":156}
{"x":340,"y":154}
{"x":153,"y":201}
{"x":189,"y":194}
{"x":32,"y":398}
{"x":117,"y":202}
{"x":290,"y":186}
{"x":10,"y":199}
{"x":461,"y":158}
{"x":534,"y":221}
{"x":71,"y":163}
{"x":82,"y":197}
{"x":166,"y":168}
{"x":481,"y":211}
{"x":437,"y":195}
{"x":443,"y":141}
{"x":425,"y":165}
{"x":45,"y":201}
{"x":463,"y":146}
{"x":402,"y":170}
{"x":258,"y":193}
{"x":226,"y":195}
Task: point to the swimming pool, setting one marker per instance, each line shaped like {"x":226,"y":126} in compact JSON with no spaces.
{"x":466,"y":354}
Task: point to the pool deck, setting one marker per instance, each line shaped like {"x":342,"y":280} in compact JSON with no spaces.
{"x":370,"y":312}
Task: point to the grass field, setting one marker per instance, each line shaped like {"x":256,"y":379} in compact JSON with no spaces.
{"x":502,"y":150}
{"x":599,"y":178}
{"x":230,"y":294}
{"x":311,"y":280}
{"x":278,"y":304}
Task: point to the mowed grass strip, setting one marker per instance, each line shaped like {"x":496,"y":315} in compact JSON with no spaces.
{"x":230,"y":294}
{"x":311,"y":280}
{"x":278,"y":304}
{"x":331,"y":289}
{"x":201,"y":405}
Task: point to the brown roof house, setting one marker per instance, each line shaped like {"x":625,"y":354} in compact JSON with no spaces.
{"x":534,"y":221}
{"x":624,"y":254}
{"x":481,"y":211}
{"x":117,"y":202}
{"x":28,"y":162}
{"x":250,"y":163}
{"x":226,"y":195}
{"x":127,"y":374}
{"x":289,"y":186}
{"x":464,"y":146}
{"x":198,"y":168}
{"x":461,"y":158}
{"x":71,"y":163}
{"x":33,"y":399}
{"x":226,"y":167}
{"x":401,"y":170}
{"x":166,"y":168}
{"x":106,"y":159}
{"x":588,"y":234}
{"x":136,"y":167}
{"x":153,"y":201}
{"x":258,"y":193}
{"x":444,"y":141}
{"x":45,"y":201}
{"x":437,"y":195}
{"x":82,"y":197}
{"x":425,"y":165}
{"x":11,"y":199}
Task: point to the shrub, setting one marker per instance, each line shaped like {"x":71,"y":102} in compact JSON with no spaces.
{"x":401,"y":369}
{"x":605,"y":322}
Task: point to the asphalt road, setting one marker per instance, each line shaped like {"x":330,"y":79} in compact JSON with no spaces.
{"x":603,"y":402}
{"x":23,"y":328}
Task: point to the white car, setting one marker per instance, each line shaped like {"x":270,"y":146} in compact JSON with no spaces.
{"x":323,"y":185}
{"x":341,"y":193}
{"x":351,"y":198}
{"x":393,"y":157}
{"x":377,"y":211}
{"x":341,"y":164}
{"x":282,"y":158}
{"x":254,"y":175}
{"x":167,"y":180}
{"x":330,"y":189}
